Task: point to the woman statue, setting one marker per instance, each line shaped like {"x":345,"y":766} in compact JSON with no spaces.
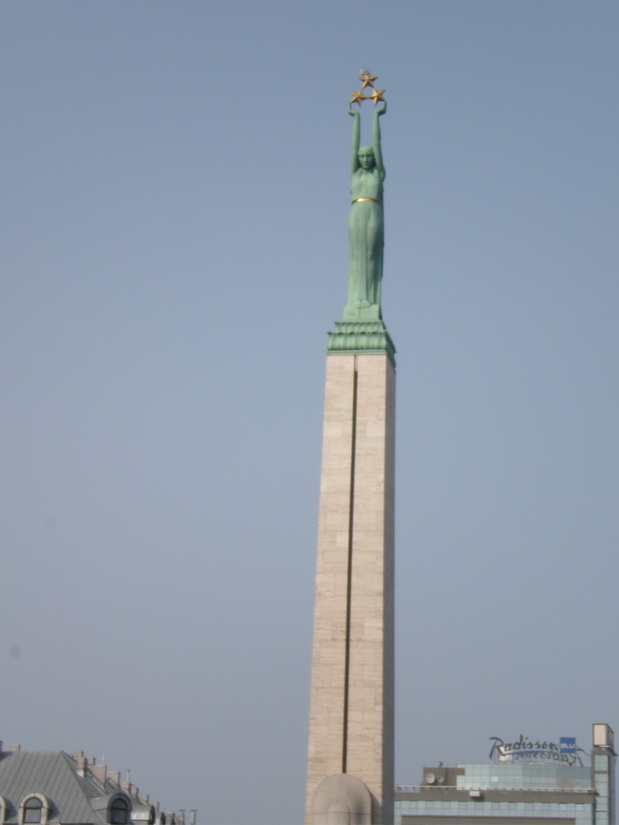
{"x":365,"y":222}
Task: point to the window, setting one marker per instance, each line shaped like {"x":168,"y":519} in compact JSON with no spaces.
{"x":33,"y":811}
{"x":119,"y":811}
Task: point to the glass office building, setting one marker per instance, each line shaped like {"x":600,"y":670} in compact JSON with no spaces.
{"x":527,"y":783}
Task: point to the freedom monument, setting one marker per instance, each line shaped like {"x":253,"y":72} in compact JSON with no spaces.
{"x":350,"y":753}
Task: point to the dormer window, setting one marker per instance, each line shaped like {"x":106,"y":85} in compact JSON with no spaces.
{"x":119,"y":811}
{"x":34,"y":810}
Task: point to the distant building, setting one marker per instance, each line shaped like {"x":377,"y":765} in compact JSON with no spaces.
{"x":529,"y":783}
{"x":41,"y":787}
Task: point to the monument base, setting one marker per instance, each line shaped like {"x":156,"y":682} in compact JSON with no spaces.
{"x":341,"y":799}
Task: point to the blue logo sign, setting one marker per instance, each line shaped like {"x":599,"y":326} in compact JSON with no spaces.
{"x":529,"y":750}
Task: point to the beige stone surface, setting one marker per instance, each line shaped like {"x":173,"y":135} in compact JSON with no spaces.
{"x":351,"y":711}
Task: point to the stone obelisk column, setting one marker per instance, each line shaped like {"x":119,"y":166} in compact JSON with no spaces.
{"x":350,"y":759}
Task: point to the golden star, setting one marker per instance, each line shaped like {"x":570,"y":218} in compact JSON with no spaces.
{"x":367,"y":79}
{"x":376,"y":96}
{"x":358,"y":97}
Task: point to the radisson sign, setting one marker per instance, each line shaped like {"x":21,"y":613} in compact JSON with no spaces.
{"x":527,"y":750}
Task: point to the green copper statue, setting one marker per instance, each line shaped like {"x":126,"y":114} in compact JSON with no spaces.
{"x":365,"y":221}
{"x":362,"y":328}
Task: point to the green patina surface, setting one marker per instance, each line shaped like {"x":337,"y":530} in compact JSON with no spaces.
{"x":350,"y":337}
{"x":361,"y":328}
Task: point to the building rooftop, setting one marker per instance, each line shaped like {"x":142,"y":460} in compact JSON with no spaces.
{"x":39,"y":787}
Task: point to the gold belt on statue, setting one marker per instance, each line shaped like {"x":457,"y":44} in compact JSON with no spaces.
{"x":360,"y":200}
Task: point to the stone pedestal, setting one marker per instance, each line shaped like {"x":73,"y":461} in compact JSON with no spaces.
{"x":351,"y":713}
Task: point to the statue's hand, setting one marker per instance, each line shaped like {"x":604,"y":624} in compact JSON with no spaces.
{"x":351,"y":111}
{"x":382,"y":109}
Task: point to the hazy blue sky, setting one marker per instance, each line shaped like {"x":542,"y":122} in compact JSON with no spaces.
{"x":174,"y":203}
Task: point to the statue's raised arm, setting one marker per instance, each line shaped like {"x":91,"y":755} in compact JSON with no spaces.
{"x":356,"y":133}
{"x":366,"y":222}
{"x":378,"y":154}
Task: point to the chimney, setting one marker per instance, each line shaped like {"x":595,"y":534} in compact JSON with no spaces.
{"x":193,"y":816}
{"x":99,"y":772}
{"x":82,"y":764}
{"x":14,"y":748}
{"x":114,"y":776}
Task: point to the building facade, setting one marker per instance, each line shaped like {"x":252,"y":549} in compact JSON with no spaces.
{"x":528,"y":784}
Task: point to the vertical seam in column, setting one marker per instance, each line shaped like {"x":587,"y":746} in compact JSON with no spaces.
{"x":351,"y":512}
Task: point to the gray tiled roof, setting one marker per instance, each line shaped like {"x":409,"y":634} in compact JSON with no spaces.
{"x":53,"y":774}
